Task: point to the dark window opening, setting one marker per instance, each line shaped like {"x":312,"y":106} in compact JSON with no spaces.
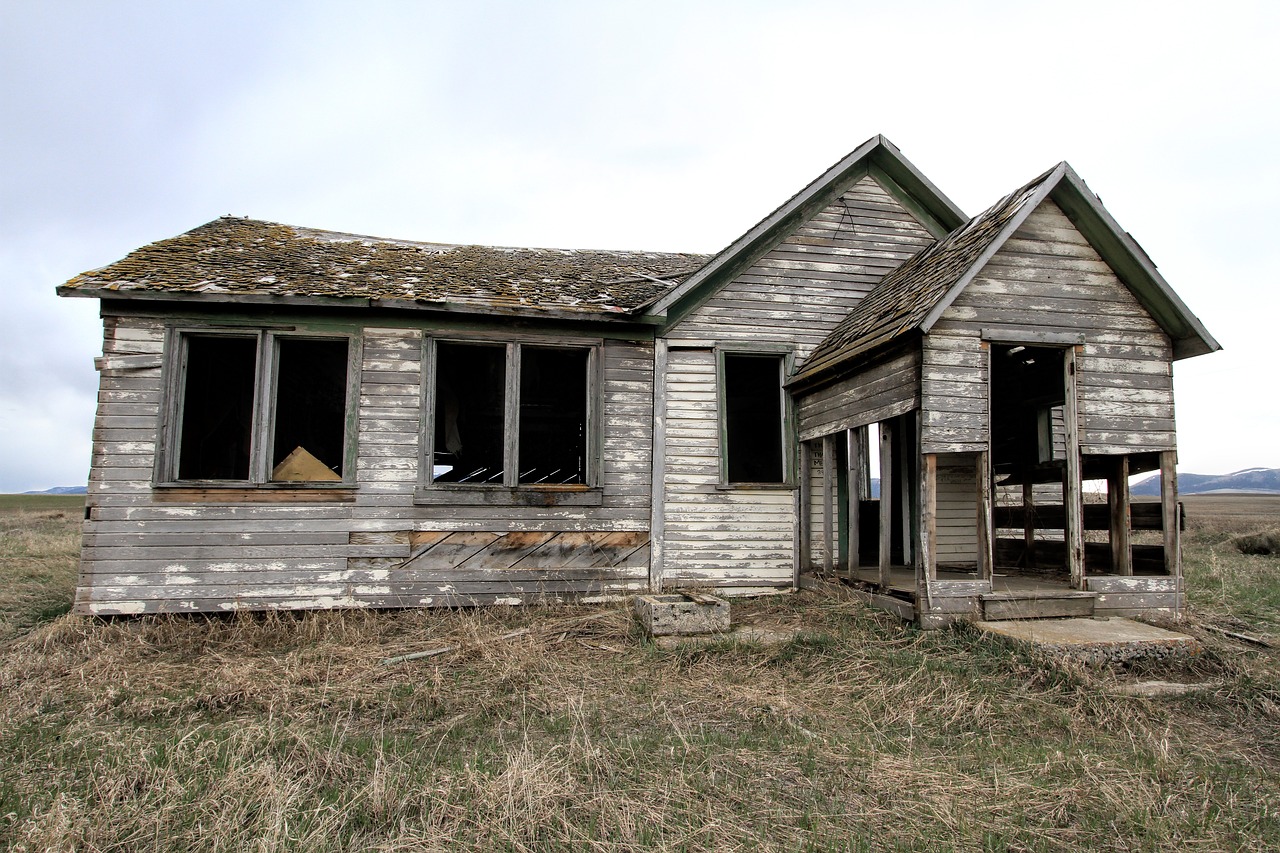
{"x":310,"y":410}
{"x":553,"y":415}
{"x":216,"y":434}
{"x":1028,"y":394}
{"x":753,"y":418}
{"x":469,"y":416}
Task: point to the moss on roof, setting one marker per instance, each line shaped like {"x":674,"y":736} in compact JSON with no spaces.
{"x":233,"y":256}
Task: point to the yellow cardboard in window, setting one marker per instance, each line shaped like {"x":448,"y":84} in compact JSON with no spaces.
{"x":301,"y":465}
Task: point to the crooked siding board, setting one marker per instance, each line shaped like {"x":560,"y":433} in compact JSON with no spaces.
{"x":878,"y":393}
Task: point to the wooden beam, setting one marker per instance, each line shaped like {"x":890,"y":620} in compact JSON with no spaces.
{"x":986,"y":535}
{"x":804,"y":500}
{"x":855,"y":475}
{"x":658,"y":492}
{"x":929,"y":516}
{"x":1169,"y":508}
{"x":886,"y":501}
{"x":1029,"y":522}
{"x":1118,"y":503}
{"x":828,"y":503}
{"x":909,"y":529}
{"x":1071,"y":495}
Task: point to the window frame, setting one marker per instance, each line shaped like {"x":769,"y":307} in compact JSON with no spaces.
{"x":262,"y":429}
{"x":510,"y":492}
{"x":787,"y":429}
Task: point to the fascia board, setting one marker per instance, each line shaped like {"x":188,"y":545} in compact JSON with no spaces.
{"x":1133,"y":266}
{"x":1014,"y":223}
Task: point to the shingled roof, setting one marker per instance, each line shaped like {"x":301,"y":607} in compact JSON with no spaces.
{"x":913,"y":296}
{"x":248,"y":260}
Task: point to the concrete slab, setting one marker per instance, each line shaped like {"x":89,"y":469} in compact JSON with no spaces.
{"x":1095,"y":641}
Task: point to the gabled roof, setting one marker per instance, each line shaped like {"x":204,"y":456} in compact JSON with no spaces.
{"x":247,"y":260}
{"x":913,"y":297}
{"x":877,"y":156}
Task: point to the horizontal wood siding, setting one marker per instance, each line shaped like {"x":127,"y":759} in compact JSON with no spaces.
{"x":957,"y":516}
{"x":715,"y":537}
{"x":145,"y":551}
{"x":1047,"y":276}
{"x":881,"y":392}
{"x":953,"y":391}
{"x":797,"y":292}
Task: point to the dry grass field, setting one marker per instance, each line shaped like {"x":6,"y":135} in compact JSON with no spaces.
{"x":286,"y":732}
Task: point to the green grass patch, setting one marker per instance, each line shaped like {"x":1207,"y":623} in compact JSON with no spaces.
{"x":280,"y":732}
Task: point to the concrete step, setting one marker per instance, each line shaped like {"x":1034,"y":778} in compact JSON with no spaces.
{"x":1096,"y":641}
{"x":1056,"y":604}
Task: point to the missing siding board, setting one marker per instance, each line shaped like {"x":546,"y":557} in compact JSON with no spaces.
{"x":753,"y":418}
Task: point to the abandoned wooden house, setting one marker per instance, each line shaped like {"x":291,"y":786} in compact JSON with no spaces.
{"x":294,"y":418}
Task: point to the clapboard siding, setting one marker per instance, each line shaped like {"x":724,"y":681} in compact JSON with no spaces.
{"x":143,"y":552}
{"x":793,"y":296}
{"x":1048,"y":277}
{"x":886,"y":390}
{"x":957,"y":510}
{"x":798,"y":291}
{"x":714,"y":536}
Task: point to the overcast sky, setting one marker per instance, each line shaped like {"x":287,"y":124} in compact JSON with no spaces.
{"x":628,"y":125}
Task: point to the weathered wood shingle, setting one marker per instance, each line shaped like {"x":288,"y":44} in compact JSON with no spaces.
{"x":234,"y":259}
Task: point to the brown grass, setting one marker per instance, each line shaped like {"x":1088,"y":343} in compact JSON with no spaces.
{"x":285,"y":732}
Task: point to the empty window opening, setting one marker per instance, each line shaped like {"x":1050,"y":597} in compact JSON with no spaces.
{"x":553,"y":415}
{"x":753,"y":418}
{"x":216,"y":433}
{"x":469,"y":416}
{"x":310,"y":409}
{"x":1028,"y":433}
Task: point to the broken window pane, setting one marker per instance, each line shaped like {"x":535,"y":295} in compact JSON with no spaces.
{"x":310,"y":409}
{"x":553,"y":415}
{"x":216,"y":431}
{"x":470,"y":388}
{"x":753,"y":418}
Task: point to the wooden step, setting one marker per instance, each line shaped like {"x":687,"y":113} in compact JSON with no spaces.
{"x":1037,"y":605}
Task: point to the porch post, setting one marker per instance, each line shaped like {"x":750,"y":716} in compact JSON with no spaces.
{"x":1029,"y":524}
{"x":1073,"y":508}
{"x":804,"y":509}
{"x":886,"y":500}
{"x":928,"y":557}
{"x":828,"y":514}
{"x":1169,"y":513}
{"x":986,"y":535}
{"x":1118,"y":501}
{"x":854,"y":477}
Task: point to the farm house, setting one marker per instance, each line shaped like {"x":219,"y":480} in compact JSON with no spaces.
{"x":295,"y":418}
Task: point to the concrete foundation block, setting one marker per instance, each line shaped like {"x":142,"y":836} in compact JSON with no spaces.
{"x":682,"y":613}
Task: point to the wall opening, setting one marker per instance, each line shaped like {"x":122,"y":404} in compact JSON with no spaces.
{"x":310,"y":409}
{"x":216,"y":432}
{"x":469,"y":416}
{"x":753,"y":418}
{"x":553,"y":415}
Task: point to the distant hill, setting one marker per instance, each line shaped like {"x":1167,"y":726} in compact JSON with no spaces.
{"x":62,"y":490}
{"x":1259,"y":480}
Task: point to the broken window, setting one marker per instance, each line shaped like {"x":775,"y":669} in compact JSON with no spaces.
{"x":491,"y":429}
{"x":235,"y":426}
{"x":752,"y":418}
